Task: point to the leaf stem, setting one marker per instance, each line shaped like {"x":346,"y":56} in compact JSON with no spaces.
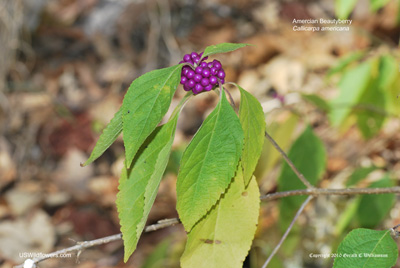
{"x":287,"y":231}
{"x":289,"y":162}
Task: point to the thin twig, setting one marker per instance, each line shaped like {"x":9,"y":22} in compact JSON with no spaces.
{"x":87,"y":244}
{"x":289,"y":162}
{"x":287,"y":231}
{"x":321,"y":191}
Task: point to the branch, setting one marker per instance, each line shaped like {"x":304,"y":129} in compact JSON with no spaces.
{"x":321,"y":191}
{"x":289,"y":162}
{"x":87,"y":244}
{"x":287,"y":231}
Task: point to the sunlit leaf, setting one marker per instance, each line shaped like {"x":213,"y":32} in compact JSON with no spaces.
{"x":343,"y":8}
{"x":223,"y":238}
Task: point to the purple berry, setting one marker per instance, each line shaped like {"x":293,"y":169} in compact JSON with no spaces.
{"x":197,"y":77}
{"x":217,"y":64}
{"x":194,"y":55}
{"x":214,"y":71}
{"x":221,"y":74}
{"x":198,"y":69}
{"x":205,"y":82}
{"x":208,"y":88}
{"x":203,"y":64}
{"x":223,"y":81}
{"x":213,"y":80}
{"x":185,"y":70}
{"x":190,"y":84}
{"x":206,"y":72}
{"x":186,"y":88}
{"x":191,"y":73}
{"x":198,"y":88}
{"x":196,"y":60}
{"x":183,"y":80}
{"x":187,"y":58}
{"x":210,"y":65}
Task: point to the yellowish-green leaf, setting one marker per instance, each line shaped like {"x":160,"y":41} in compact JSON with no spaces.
{"x":146,"y":102}
{"x":251,"y":117}
{"x":209,"y":163}
{"x":223,"y":238}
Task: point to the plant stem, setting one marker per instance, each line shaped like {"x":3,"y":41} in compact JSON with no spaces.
{"x":287,"y":231}
{"x":289,"y":162}
{"x":321,"y":191}
{"x":87,"y":244}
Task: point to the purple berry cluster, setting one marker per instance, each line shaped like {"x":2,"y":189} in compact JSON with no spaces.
{"x":204,"y":76}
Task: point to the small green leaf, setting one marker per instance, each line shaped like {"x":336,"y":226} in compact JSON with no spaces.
{"x":374,"y":208}
{"x":317,"y":101}
{"x":252,"y":119}
{"x":208,"y":163}
{"x":309,"y":156}
{"x":222,"y":48}
{"x":138,"y":185}
{"x":345,"y":61}
{"x":378,"y":4}
{"x":343,"y":8}
{"x":109,"y":135}
{"x":388,"y":71}
{"x":223,"y":238}
{"x":366,"y":248}
{"x":358,"y":175}
{"x":352,"y":86}
{"x":146,"y":102}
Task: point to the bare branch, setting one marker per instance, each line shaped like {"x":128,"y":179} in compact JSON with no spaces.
{"x":287,"y":231}
{"x":321,"y":191}
{"x":289,"y":162}
{"x":87,"y":244}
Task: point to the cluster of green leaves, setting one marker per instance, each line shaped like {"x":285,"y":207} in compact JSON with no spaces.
{"x":217,"y":195}
{"x":343,"y":8}
{"x":368,"y":90}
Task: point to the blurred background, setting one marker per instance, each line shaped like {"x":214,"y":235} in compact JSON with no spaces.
{"x":65,"y":66}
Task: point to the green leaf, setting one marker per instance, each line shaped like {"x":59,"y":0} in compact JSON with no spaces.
{"x":317,"y":101}
{"x":388,"y":71}
{"x":223,"y":238}
{"x":222,"y":48}
{"x":138,"y":185}
{"x":109,"y":135}
{"x":358,"y":175}
{"x":208,"y":163}
{"x":371,"y":112}
{"x":252,"y":119}
{"x":343,"y":8}
{"x":352,"y":86}
{"x":374,"y":208}
{"x":366,"y":248}
{"x":145,"y":104}
{"x":378,"y":4}
{"x":309,"y":156}
{"x":345,"y":61}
